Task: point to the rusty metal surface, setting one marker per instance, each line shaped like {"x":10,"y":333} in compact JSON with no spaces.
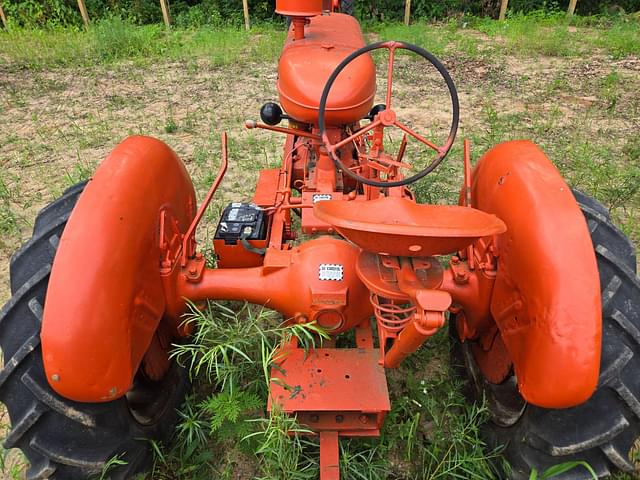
{"x":327,"y":379}
{"x":329,"y":456}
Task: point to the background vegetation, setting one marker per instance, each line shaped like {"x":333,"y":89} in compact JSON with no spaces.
{"x":196,"y":13}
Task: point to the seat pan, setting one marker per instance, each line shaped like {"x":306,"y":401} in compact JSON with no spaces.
{"x":401,"y":227}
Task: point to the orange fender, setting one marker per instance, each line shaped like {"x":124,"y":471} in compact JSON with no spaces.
{"x":105,"y":297}
{"x":546,"y":300}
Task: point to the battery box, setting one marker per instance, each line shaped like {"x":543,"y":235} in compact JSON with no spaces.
{"x":240,"y":221}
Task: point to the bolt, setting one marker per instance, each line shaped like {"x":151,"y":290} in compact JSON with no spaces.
{"x":193,"y":270}
{"x":363,"y":419}
{"x":461,"y":277}
{"x":315,"y":418}
{"x":339,"y":419}
{"x":55,"y":377}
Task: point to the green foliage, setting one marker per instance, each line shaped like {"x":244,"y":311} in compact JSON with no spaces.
{"x":228,"y":410}
{"x":432,"y":428}
{"x":555,"y":34}
{"x":561,"y":468}
{"x":114,"y":39}
{"x":42,"y":13}
{"x":225,"y":13}
{"x":8,"y":217}
{"x":233,"y":349}
{"x":279,"y":448}
{"x":109,"y":466}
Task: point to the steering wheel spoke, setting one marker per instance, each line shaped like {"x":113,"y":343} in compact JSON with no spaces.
{"x":420,"y":138}
{"x":387,"y":118}
{"x":350,"y":138}
{"x":392,"y":55}
{"x":387,"y":160}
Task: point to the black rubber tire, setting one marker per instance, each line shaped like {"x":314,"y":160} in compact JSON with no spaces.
{"x":63,"y":439}
{"x":47,"y":230}
{"x":602,"y":229}
{"x":346,"y":6}
{"x":602,"y":431}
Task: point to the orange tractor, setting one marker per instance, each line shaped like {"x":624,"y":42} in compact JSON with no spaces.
{"x":537,"y":286}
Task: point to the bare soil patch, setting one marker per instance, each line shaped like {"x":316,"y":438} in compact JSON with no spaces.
{"x":58,"y":125}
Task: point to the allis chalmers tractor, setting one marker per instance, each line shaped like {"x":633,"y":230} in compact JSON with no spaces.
{"x":537,"y":286}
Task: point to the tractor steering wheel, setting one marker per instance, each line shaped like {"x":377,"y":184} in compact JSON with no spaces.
{"x":387,"y":117}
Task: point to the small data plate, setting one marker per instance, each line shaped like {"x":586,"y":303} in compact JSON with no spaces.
{"x":330,"y":379}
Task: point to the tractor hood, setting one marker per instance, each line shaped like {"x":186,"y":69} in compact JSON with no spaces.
{"x":305,"y":66}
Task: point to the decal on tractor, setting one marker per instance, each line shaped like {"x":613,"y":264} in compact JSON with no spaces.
{"x":329,"y":271}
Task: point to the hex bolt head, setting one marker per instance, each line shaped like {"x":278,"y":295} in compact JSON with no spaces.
{"x":339,"y":419}
{"x":55,"y":377}
{"x":315,"y":418}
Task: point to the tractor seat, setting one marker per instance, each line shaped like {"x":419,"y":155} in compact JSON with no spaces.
{"x":400,"y":227}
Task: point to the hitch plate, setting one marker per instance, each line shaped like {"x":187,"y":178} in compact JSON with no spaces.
{"x":332,"y":389}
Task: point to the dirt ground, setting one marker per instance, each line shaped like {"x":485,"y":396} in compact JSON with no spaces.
{"x":58,"y":125}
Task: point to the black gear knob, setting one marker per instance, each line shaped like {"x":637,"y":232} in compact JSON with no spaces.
{"x":271,"y":113}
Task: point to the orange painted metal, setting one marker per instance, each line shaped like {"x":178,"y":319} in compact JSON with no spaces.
{"x":329,"y":456}
{"x":492,"y":356}
{"x":331,"y":382}
{"x":546,"y":300}
{"x":105,"y":298}
{"x":328,"y":40}
{"x":316,"y":280}
{"x":299,"y":8}
{"x":332,"y":392}
{"x":188,"y":242}
{"x":400,"y":227}
{"x":237,"y":256}
{"x":523,"y":281}
{"x":251,"y":124}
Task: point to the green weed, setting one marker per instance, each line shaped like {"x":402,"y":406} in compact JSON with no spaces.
{"x":233,"y":350}
{"x":555,"y":34}
{"x":8,"y":217}
{"x":561,"y":468}
{"x":279,"y":448}
{"x":114,"y":39}
{"x":109,"y":466}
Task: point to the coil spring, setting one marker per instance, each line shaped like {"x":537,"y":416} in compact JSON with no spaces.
{"x":389,"y":315}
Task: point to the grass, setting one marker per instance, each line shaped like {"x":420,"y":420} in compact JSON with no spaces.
{"x":70,"y":96}
{"x":114,"y":40}
{"x":432,"y":430}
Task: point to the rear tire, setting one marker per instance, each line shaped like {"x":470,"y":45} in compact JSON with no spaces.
{"x":601,"y":431}
{"x":63,"y":439}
